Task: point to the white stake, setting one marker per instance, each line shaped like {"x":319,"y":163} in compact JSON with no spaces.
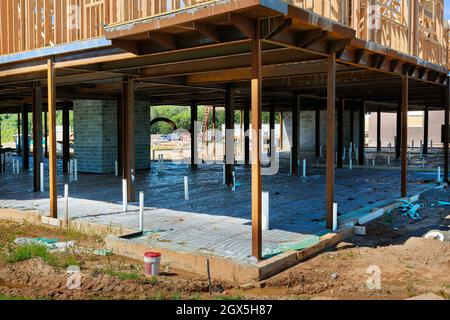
{"x":141,"y":211}
{"x":224,"y":175}
{"x":389,"y":160}
{"x":234,"y":181}
{"x":14,"y":166}
{"x":265,"y":211}
{"x":116,"y":168}
{"x":335,"y":216}
{"x":42,"y":177}
{"x":186,"y":188}
{"x":350,"y":162}
{"x":71,"y":170}
{"x":17,"y":167}
{"x":304,"y":168}
{"x":439,"y":175}
{"x":76,"y":169}
{"x":66,"y":205}
{"x":124,"y":195}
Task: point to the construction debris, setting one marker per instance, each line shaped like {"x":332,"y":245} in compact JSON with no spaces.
{"x":409,"y":209}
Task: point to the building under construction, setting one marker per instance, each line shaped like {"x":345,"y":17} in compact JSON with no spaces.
{"x":318,"y":66}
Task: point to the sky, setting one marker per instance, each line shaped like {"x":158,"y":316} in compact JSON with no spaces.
{"x":447,"y":8}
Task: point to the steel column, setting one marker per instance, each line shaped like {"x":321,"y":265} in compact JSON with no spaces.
{"x":37,"y":137}
{"x":404,"y":143}
{"x":295,"y":129}
{"x":331,"y":127}
{"x":51,"y":85}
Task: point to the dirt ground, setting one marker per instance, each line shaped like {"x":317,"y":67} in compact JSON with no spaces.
{"x":408,"y":265}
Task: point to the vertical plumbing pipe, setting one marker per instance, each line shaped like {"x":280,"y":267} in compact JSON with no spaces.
{"x":42,"y":176}
{"x":186,"y":188}
{"x":335,"y":216}
{"x":124,"y":195}
{"x":439,"y":175}
{"x":304,"y":168}
{"x":350,"y":163}
{"x":66,"y":205}
{"x":71,"y":170}
{"x":224,"y":174}
{"x":373,"y":162}
{"x":17,"y":167}
{"x":76,"y":170}
{"x":344,"y":153}
{"x":116,"y":168}
{"x":141,"y":211}
{"x":14,"y":166}
{"x":290,"y":163}
{"x":389,"y":160}
{"x":234,"y":181}
{"x":265,"y":211}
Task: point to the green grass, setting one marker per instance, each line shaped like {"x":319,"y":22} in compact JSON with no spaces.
{"x":231,"y":298}
{"x":122,"y":275}
{"x":31,"y":251}
{"x":176,"y":296}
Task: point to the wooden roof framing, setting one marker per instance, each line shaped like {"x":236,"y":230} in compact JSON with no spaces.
{"x":194,"y":54}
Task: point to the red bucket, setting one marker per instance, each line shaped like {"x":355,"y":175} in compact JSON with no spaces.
{"x":152,"y":263}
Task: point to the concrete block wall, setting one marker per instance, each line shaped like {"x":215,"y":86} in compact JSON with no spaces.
{"x":95,"y":124}
{"x":95,"y":129}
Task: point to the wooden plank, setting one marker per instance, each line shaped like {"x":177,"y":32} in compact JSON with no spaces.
{"x":256,"y":97}
{"x":51,"y":85}
{"x":331,"y":98}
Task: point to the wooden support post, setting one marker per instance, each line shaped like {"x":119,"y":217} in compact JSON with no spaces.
{"x":214,"y":128}
{"x":66,"y":135}
{"x":52,"y":138}
{"x":194,"y":149}
{"x":446,"y":129}
{"x":317,"y":118}
{"x":128,"y":160}
{"x":398,"y":140}
{"x":229,"y":136}
{"x":340,"y":153}
{"x":294,"y":147}
{"x":45,"y":134}
{"x":331,"y":124}
{"x":247,"y":138}
{"x":404,"y":142}
{"x":25,"y":139}
{"x":19,"y":134}
{"x":379,"y":130}
{"x":272,"y":131}
{"x":120,"y":136}
{"x":37,"y":136}
{"x":426,"y":123}
{"x":256,"y":88}
{"x":362,"y":133}
{"x":352,"y":126}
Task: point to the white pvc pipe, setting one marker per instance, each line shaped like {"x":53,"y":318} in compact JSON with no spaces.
{"x":439,"y":175}
{"x":116,"y":168}
{"x":290,"y":163}
{"x":345,"y":153}
{"x":335,"y":216}
{"x":304,"y":168}
{"x":350,"y":163}
{"x":14,"y":166}
{"x":389,"y":160}
{"x":265,"y":211}
{"x":373,"y":162}
{"x":71,"y":170}
{"x":124,"y":195}
{"x":234,"y":181}
{"x":17,"y":167}
{"x":224,"y":174}
{"x":141,"y":211}
{"x":66,"y":205}
{"x":186,"y":188}
{"x":42,"y":178}
{"x":76,"y":169}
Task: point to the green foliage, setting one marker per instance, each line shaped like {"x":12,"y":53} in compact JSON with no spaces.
{"x":122,"y":275}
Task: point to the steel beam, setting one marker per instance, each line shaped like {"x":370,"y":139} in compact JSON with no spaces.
{"x":331,"y":125}
{"x":404,"y":144}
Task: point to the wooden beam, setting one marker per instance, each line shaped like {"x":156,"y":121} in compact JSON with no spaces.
{"x":308,"y":38}
{"x":256,"y":96}
{"x":208,"y":30}
{"x":52,"y":138}
{"x":37,"y":136}
{"x":167,"y":40}
{"x":246,"y":25}
{"x":404,"y":157}
{"x":331,"y":124}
